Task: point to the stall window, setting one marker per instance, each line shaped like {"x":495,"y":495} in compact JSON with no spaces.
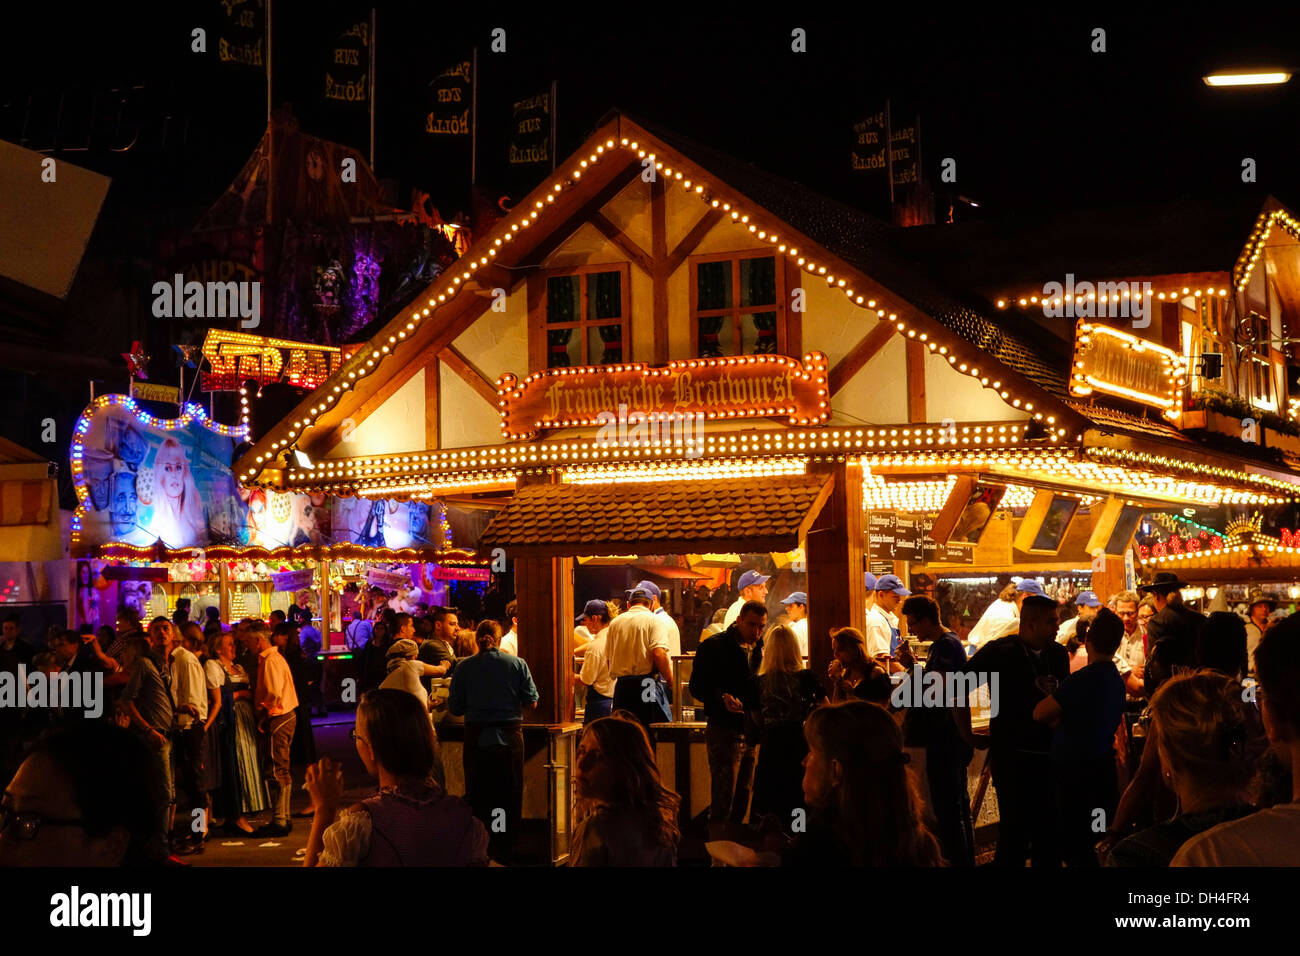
{"x":1260,"y":383}
{"x":737,"y":305}
{"x":587,"y":316}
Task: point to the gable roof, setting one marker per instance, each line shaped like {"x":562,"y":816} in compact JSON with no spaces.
{"x":837,"y":242}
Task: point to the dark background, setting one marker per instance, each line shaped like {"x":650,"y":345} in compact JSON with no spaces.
{"x":1032,"y":116}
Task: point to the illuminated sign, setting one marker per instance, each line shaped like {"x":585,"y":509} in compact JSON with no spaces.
{"x":142,"y":480}
{"x":743,"y":386}
{"x":236,"y":357}
{"x":1114,"y":362}
{"x":444,"y":573}
{"x":149,"y":392}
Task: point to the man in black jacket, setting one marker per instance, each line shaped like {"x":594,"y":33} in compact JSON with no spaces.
{"x":1171,"y":631}
{"x":720,"y":677}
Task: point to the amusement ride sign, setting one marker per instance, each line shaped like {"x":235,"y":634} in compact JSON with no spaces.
{"x":742,"y":386}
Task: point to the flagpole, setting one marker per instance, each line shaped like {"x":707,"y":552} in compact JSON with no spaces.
{"x":374,"y":51}
{"x":473,"y":124}
{"x":268,"y":61}
{"x":554,"y":146}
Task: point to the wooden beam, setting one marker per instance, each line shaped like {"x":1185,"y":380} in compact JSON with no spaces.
{"x":416,"y":352}
{"x":744,"y":545}
{"x":472,"y":376}
{"x":558,"y":234}
{"x":638,"y":256}
{"x":659,"y":250}
{"x":692,"y":239}
{"x":432,"y":406}
{"x":837,"y":593}
{"x":860,"y":355}
{"x":793,"y":319}
{"x":915,"y":381}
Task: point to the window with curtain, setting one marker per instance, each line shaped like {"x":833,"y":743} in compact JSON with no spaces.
{"x":587,"y":317}
{"x":735,"y":309}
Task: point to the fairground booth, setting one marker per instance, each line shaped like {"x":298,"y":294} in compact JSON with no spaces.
{"x":665,"y":363}
{"x":161,"y":522}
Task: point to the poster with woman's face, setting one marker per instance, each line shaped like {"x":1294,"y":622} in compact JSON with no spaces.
{"x":142,"y":482}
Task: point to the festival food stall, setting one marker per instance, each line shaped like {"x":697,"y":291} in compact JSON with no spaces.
{"x":709,"y":360}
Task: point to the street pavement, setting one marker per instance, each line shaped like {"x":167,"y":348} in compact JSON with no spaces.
{"x":333,"y":739}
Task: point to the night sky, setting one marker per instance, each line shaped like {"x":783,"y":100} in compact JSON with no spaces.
{"x":1034,"y":119}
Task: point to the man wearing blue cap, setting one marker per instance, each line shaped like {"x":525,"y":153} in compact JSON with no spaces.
{"x":1002,"y":617}
{"x":674,"y":632}
{"x":637,"y":648}
{"x":1087,"y":604}
{"x":881,"y":630}
{"x":595,"y":663}
{"x":796,"y":608}
{"x":752,"y":587}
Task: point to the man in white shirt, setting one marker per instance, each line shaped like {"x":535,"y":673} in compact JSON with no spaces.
{"x":190,"y":702}
{"x":636,"y":646}
{"x":1002,"y":617}
{"x":1270,"y":837}
{"x":796,"y":607}
{"x":752,"y":587}
{"x":674,"y":632}
{"x":509,"y":643}
{"x":595,"y":664}
{"x":881,"y":629}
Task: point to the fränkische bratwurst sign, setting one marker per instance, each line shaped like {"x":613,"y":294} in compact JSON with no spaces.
{"x":741,"y":386}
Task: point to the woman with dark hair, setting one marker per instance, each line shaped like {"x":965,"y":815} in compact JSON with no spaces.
{"x":854,"y":675}
{"x":82,"y":798}
{"x":1209,"y":742}
{"x":411,"y":821}
{"x":865,"y":809}
{"x":626,"y":816}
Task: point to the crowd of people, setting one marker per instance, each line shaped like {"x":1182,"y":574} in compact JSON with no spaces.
{"x":1115,"y":736}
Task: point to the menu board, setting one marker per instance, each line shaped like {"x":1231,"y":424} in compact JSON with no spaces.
{"x":897,"y":536}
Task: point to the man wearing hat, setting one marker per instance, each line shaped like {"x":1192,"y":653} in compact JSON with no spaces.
{"x":1087,"y":605}
{"x":1171,"y":632}
{"x":595,"y":663}
{"x":752,"y":587}
{"x":881,"y":630}
{"x":796,"y":608}
{"x":1261,"y":606}
{"x":1022,"y":669}
{"x":636,"y":645}
{"x":674,"y":632}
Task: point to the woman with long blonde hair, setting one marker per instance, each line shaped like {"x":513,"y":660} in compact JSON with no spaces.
{"x":177,"y":509}
{"x":786,"y":693}
{"x":626,"y":816}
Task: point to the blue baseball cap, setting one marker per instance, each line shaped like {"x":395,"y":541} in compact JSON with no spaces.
{"x":1087,"y":599}
{"x":594,"y":607}
{"x":638,"y":592}
{"x":1031,"y":586}
{"x":869,"y":580}
{"x":649,"y":587}
{"x":750,"y":578}
{"x":891,"y":582}
{"x":795,"y":597}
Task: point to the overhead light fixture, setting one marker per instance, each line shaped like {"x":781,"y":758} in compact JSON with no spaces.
{"x":1262,"y":78}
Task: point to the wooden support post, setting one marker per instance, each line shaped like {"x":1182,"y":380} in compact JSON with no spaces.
{"x":659,"y":258}
{"x":544,"y":589}
{"x":223,"y":592}
{"x":836,"y":591}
